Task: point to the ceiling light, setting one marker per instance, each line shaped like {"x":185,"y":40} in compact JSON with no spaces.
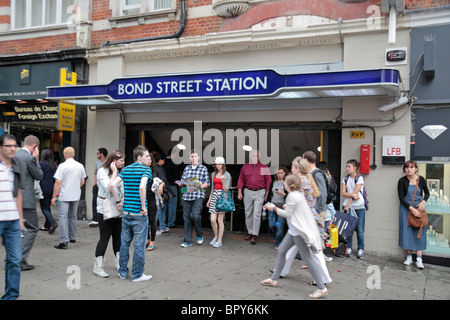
{"x":181,"y":146}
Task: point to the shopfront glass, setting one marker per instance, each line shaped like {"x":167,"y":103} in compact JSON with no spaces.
{"x":437,"y":207}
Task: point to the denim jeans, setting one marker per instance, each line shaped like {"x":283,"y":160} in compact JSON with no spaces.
{"x":278,"y":231}
{"x":10,"y":234}
{"x":361,"y":213}
{"x":46,"y":211}
{"x":133,"y":226}
{"x":169,"y":212}
{"x":192,"y":211}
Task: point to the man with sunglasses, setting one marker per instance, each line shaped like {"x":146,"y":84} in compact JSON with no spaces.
{"x":28,"y":158}
{"x":11,"y":217}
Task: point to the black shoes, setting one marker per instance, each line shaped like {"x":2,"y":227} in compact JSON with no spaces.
{"x":24,"y":266}
{"x":52,"y":229}
{"x":61,"y":246}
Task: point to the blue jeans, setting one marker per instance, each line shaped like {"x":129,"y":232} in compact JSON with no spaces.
{"x":10,"y":233}
{"x":361,"y":213}
{"x":46,"y":211}
{"x":192,"y":211}
{"x":169,"y":212}
{"x":278,"y":231}
{"x":133,"y":226}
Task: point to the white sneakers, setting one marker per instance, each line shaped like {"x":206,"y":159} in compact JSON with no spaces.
{"x":409,"y":261}
{"x":144,"y":277}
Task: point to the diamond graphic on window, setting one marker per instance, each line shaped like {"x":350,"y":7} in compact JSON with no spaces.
{"x":433,"y":131}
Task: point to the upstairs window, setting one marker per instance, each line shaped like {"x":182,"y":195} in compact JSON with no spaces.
{"x":38,"y":13}
{"x":130,"y":7}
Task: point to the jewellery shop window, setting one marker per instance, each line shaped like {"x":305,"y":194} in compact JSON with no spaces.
{"x":437,"y":207}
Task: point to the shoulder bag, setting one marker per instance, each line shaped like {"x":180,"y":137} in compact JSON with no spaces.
{"x":225,"y":203}
{"x":417,"y":222}
{"x":110,"y":208}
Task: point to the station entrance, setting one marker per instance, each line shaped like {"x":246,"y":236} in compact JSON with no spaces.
{"x":278,"y":143}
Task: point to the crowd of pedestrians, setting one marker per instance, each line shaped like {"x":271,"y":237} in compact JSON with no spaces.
{"x":145,"y":194}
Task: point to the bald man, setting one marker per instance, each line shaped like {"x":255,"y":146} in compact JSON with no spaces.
{"x":69,"y":178}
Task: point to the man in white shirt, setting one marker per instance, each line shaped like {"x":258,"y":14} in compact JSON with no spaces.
{"x":70,"y":177}
{"x":10,"y":215}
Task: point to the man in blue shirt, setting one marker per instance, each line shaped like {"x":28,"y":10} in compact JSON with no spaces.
{"x":134,"y":218}
{"x":193,"y":199}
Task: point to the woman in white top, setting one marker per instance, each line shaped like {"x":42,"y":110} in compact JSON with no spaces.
{"x":352,"y":192}
{"x":111,"y":227}
{"x":304,"y":233}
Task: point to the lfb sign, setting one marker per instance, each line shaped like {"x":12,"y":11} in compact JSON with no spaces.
{"x":394,"y":149}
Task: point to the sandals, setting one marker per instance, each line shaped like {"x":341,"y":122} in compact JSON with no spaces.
{"x":150,"y":247}
{"x":269,"y":282}
{"x":318,"y":293}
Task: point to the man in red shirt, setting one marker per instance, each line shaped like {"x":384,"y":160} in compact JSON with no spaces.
{"x":255,"y":179}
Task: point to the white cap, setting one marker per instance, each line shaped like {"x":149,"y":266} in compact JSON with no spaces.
{"x":219,"y":160}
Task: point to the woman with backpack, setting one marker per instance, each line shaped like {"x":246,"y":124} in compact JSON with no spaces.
{"x":352,"y":192}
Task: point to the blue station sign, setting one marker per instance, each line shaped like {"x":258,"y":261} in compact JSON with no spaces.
{"x":221,"y":85}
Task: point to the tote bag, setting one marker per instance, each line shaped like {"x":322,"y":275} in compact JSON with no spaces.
{"x":110,"y":209}
{"x":225,"y":203}
{"x":345,"y":223}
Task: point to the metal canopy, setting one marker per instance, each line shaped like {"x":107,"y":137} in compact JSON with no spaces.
{"x":229,"y":87}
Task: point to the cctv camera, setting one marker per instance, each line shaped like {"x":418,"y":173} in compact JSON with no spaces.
{"x":397,"y":103}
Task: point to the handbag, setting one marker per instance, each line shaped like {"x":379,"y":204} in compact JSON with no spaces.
{"x":225,"y":203}
{"x":417,"y":222}
{"x":110,"y":209}
{"x":345,"y":223}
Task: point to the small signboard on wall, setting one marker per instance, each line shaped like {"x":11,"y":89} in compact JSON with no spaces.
{"x":394,"y":149}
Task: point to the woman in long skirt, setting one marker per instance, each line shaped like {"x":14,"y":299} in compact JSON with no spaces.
{"x":407,"y":235}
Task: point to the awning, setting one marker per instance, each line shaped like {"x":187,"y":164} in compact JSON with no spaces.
{"x":233,"y":86}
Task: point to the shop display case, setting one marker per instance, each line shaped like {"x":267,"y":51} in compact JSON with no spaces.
{"x":437,"y":207}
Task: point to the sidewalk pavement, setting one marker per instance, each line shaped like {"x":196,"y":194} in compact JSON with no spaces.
{"x":201,"y":272}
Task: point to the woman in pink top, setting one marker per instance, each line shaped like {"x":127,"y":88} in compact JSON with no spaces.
{"x":220,"y":183}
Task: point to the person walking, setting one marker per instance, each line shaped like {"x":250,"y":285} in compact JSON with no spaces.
{"x":70,"y":178}
{"x":11,"y":217}
{"x":154,"y":200}
{"x":102,"y":153}
{"x":48,"y":166}
{"x":134,"y":219}
{"x":255,"y":178}
{"x":169,"y":212}
{"x":320,"y":179}
{"x":304,"y":233}
{"x":352,"y":192}
{"x":193,"y":200}
{"x":28,"y":158}
{"x":406,"y":186}
{"x":110,"y":228}
{"x":277,"y":196}
{"x":221,"y":179}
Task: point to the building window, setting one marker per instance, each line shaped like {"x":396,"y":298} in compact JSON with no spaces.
{"x":39,"y":13}
{"x":130,"y":7}
{"x":437,"y":207}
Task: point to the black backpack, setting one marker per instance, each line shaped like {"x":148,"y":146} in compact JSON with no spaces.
{"x":331,"y":186}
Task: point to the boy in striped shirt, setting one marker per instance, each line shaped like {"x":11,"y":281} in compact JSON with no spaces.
{"x":134,"y":218}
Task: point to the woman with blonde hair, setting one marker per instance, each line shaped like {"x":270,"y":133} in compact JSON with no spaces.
{"x":311,"y":191}
{"x":303,"y":233}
